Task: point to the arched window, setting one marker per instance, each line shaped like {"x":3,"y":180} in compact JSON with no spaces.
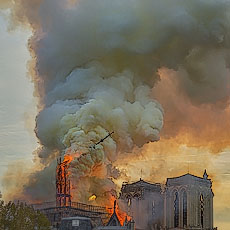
{"x":176,"y":210}
{"x":153,"y":207}
{"x":129,"y":202}
{"x":184,"y":208}
{"x":202,"y":210}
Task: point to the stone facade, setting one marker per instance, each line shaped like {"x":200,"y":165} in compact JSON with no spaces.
{"x":145,"y":203}
{"x":184,"y":202}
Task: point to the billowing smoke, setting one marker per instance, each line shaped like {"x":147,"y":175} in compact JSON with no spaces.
{"x":95,"y":65}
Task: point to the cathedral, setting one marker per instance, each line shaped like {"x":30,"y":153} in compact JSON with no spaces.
{"x":184,"y":202}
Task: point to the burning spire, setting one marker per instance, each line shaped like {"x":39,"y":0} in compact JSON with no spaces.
{"x":63,"y":186}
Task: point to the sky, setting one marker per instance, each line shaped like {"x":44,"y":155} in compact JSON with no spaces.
{"x":18,"y":111}
{"x":17,"y":105}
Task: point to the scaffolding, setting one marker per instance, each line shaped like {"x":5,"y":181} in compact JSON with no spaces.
{"x":63,"y":186}
{"x":64,"y":206}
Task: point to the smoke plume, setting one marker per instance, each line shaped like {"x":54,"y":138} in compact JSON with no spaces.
{"x":95,"y":67}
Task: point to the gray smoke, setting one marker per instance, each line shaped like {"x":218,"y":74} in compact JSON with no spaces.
{"x":97,"y":62}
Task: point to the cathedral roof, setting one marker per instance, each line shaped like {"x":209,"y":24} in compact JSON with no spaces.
{"x":189,"y":179}
{"x":114,"y":221}
{"x":142,"y":184}
{"x":187,"y":174}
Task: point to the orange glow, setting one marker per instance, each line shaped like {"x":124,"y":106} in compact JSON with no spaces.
{"x":190,"y":123}
{"x":67,"y":159}
{"x":122,"y":216}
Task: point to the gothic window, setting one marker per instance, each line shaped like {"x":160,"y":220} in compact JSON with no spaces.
{"x":202,"y":210}
{"x":176,"y":210}
{"x":184,"y":209}
{"x":153,"y":208}
{"x":129,"y":202}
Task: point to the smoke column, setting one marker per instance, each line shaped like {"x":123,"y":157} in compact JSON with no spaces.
{"x":95,"y":64}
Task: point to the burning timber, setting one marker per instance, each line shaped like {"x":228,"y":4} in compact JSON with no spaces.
{"x":63,"y":196}
{"x":64,"y":206}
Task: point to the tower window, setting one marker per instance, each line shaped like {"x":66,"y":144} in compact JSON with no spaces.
{"x":153,"y":207}
{"x":184,"y":209}
{"x":176,"y":210}
{"x":202,"y":210}
{"x":129,"y":202}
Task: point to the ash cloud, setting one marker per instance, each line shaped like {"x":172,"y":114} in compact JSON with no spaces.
{"x":95,"y":65}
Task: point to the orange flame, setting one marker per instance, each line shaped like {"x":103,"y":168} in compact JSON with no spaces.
{"x":67,"y":159}
{"x":122,"y":216}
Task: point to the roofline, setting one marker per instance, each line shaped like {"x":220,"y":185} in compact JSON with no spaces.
{"x":76,"y":218}
{"x":186,"y":175}
{"x":114,"y":215}
{"x":157,"y":184}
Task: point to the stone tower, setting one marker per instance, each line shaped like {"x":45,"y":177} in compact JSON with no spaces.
{"x":145,"y":203}
{"x":184,"y":202}
{"x":189,"y":202}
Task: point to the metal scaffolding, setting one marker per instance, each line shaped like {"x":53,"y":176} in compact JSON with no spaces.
{"x":63,"y":186}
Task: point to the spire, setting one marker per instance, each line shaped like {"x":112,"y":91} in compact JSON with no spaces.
{"x":205,"y":175}
{"x":125,"y":222}
{"x":141,"y":175}
{"x":115,"y":205}
{"x":114,"y":221}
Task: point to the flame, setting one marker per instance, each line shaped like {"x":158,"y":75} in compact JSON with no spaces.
{"x":92,"y":198}
{"x":68,"y":159}
{"x":122,"y":216}
{"x":65,"y":164}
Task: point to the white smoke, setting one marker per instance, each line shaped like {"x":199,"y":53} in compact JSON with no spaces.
{"x":98,"y":60}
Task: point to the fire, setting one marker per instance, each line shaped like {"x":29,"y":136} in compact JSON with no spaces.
{"x":67,"y":159}
{"x":64,"y":165}
{"x":122,"y":216}
{"x":63,"y":185}
{"x":92,"y":198}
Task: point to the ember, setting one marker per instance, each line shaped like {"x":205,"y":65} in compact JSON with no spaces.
{"x":92,"y":198}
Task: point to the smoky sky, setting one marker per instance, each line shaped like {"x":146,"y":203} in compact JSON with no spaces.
{"x":96,"y":67}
